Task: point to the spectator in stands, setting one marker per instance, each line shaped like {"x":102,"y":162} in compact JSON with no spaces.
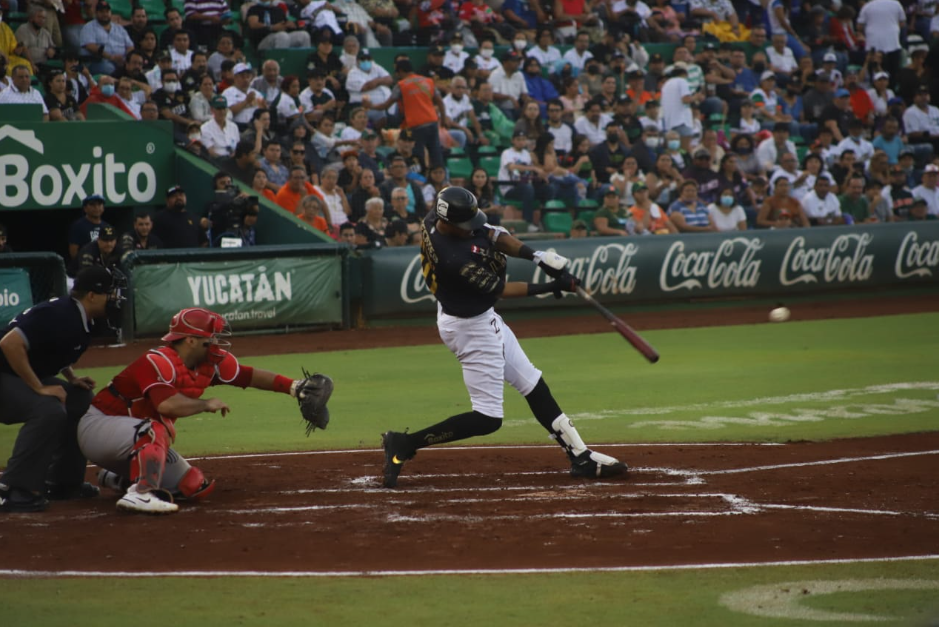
{"x":78,"y":76}
{"x":508,"y":85}
{"x":21,"y":92}
{"x":878,"y":207}
{"x":486,"y":62}
{"x":726,"y":214}
{"x":607,"y":157}
{"x":102,"y":251}
{"x":889,"y":140}
{"x":701,"y":173}
{"x":770,"y":151}
{"x":689,"y":214}
{"x":316,"y":99}
{"x":516,"y":165}
{"x":677,"y":98}
{"x":138,"y":25}
{"x":420,"y":102}
{"x":140,"y":237}
{"x":648,"y":214}
{"x":455,"y":57}
{"x":481,"y":187}
{"x":563,"y":132}
{"x":780,"y":210}
{"x":268,"y":83}
{"x":260,"y":185}
{"x":133,"y":69}
{"x":311,"y":210}
{"x":789,"y":170}
{"x":273,"y":167}
{"x":373,"y":218}
{"x":613,"y":218}
{"x":219,"y":134}
{"x":398,"y":179}
{"x":104,"y":43}
{"x":347,"y":233}
{"x":86,"y":228}
{"x":920,"y":211}
{"x":928,"y":189}
{"x":897,"y":194}
{"x":882,"y":21}
{"x":594,"y":122}
{"x":530,"y":123}
{"x":398,"y":209}
{"x":921,"y":121}
{"x":224,"y":51}
{"x":4,"y":246}
{"x":259,"y":130}
{"x":333,"y":196}
{"x":916,"y":75}
{"x":369,"y":79}
{"x":33,"y":34}
{"x":544,"y":49}
{"x":242,"y":99}
{"x":61,"y":105}
{"x":780,"y":57}
{"x":845,"y":167}
{"x":324,"y":59}
{"x":461,"y":115}
{"x":822,"y":207}
{"x":205,"y":19}
{"x":180,"y":53}
{"x":396,"y":234}
{"x":363,"y":189}
{"x":838,"y":115}
{"x":155,"y":75}
{"x":149,"y":112}
{"x":540,"y":89}
{"x":436,"y":181}
{"x":297,"y":187}
{"x":173,"y":104}
{"x":268,"y":28}
{"x":243,"y":163}
{"x":174,"y":24}
{"x":175,"y":226}
{"x":200,"y":108}
{"x":863,"y":149}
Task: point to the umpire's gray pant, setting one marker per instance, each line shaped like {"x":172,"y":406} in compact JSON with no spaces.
{"x":46,"y":447}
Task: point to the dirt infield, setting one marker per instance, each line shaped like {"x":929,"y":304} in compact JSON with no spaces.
{"x":512,"y":508}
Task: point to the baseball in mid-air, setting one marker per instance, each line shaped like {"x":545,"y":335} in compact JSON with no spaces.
{"x":780,"y":314}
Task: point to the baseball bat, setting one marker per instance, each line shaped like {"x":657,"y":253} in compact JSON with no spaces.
{"x":622,"y":328}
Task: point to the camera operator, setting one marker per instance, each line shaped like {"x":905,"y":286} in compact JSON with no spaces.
{"x":241,"y":232}
{"x":243,"y":164}
{"x":224,"y":213}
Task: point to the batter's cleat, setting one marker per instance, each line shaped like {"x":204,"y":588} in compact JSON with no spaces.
{"x":397,"y":451}
{"x":144,"y":503}
{"x":65,"y":492}
{"x":17,"y":501}
{"x":593,"y":465}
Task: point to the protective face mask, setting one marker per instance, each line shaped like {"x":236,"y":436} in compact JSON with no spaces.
{"x":612,"y":137}
{"x":520,"y":44}
{"x":456,"y":48}
{"x":171,"y":87}
{"x":674,"y":144}
{"x":195,"y":137}
{"x":653,"y":142}
{"x":486,"y":53}
{"x":365,"y":66}
{"x":727,"y":201}
{"x":107,"y":90}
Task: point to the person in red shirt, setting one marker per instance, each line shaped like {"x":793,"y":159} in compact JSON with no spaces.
{"x":130,"y":426}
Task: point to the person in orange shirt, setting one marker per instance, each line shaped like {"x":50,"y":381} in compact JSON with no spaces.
{"x":296,"y":187}
{"x":635,"y":88}
{"x":649,"y":214}
{"x":259,"y":184}
{"x":312,"y":211}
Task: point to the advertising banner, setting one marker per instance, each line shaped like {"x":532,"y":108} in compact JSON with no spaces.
{"x":657,"y":268}
{"x":49,"y":166}
{"x":250,"y":293}
{"x":15,"y":293}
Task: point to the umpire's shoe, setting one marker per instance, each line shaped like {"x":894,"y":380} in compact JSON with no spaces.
{"x":593,"y":465}
{"x":397,"y":451}
{"x":17,"y":501}
{"x":65,"y":492}
{"x":145,"y":503}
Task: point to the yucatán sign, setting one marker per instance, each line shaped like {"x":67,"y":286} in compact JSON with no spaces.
{"x":46,"y":166}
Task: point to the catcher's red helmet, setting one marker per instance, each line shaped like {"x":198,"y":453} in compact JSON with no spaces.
{"x":199,"y":322}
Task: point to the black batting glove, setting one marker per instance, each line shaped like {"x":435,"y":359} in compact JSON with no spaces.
{"x":565,"y":282}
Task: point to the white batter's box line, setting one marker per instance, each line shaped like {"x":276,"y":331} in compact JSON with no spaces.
{"x":824,"y":462}
{"x":848,"y":510}
{"x":62,"y":574}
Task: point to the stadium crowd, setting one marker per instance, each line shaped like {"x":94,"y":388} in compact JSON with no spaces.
{"x":759,"y":114}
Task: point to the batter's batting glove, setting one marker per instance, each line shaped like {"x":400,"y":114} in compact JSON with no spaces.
{"x":565,"y":282}
{"x":552,"y":263}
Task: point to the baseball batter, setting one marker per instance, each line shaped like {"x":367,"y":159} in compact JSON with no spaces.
{"x":463,"y":261}
{"x":129,"y":428}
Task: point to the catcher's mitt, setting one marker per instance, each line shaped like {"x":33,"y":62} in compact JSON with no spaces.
{"x":313,"y":392}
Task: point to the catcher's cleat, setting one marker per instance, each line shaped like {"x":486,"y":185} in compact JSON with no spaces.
{"x":594,"y":465}
{"x":145,"y":503}
{"x":64,"y":492}
{"x":397,"y":451}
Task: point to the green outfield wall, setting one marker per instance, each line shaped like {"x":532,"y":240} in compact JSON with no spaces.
{"x":712,"y":265}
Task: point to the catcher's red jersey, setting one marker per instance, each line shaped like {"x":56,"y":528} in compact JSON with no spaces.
{"x":159,"y":374}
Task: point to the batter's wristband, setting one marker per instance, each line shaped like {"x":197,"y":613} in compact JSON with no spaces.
{"x":540,"y":288}
{"x":526,"y":252}
{"x":282,"y":384}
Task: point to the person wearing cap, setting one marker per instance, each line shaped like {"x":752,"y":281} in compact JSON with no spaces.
{"x":928,"y":189}
{"x":863,"y":149}
{"x":369,"y":80}
{"x":455,"y":57}
{"x":916,"y":74}
{"x":540,"y":89}
{"x":81,"y":81}
{"x":175,"y":226}
{"x":612,"y":218}
{"x":648,"y":214}
{"x":268,"y":28}
{"x":101,"y":252}
{"x":243,"y":100}
{"x":766,"y":100}
{"x":838,"y":115}
{"x":889,"y":140}
{"x":104,"y":43}
{"x":607,"y":157}
{"x":219,"y":135}
{"x":86,"y":228}
{"x":486,"y":61}
{"x":40,"y":343}
{"x":700,"y":172}
{"x":316,"y":99}
{"x":921,"y":121}
{"x":898,"y":194}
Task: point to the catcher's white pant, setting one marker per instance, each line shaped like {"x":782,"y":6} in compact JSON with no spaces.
{"x":490,"y":354}
{"x":108,"y":441}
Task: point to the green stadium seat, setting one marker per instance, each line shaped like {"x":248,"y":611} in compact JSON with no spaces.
{"x":587,"y":216}
{"x":461,"y":168}
{"x":491,"y":165}
{"x":555,"y":206}
{"x":384,"y":151}
{"x":487,"y":150}
{"x":557,"y":221}
{"x":801,"y":151}
{"x":456,"y":151}
{"x":587,"y":203}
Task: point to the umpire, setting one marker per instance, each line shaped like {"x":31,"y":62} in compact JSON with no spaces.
{"x":38,"y":344}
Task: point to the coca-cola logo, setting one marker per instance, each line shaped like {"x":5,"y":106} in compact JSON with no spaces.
{"x":915,"y":258}
{"x":607,"y":271}
{"x":733,"y":264}
{"x":844,"y":260}
{"x":413,"y":288}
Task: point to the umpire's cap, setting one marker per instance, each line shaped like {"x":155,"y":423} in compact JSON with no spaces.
{"x":95,"y":279}
{"x":458,"y":206}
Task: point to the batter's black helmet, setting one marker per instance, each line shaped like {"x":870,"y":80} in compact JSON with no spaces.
{"x":457,"y":206}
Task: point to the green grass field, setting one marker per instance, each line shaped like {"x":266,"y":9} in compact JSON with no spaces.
{"x":793,"y":381}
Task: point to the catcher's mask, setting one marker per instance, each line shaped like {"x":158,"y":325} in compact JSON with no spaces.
{"x":199,"y":322}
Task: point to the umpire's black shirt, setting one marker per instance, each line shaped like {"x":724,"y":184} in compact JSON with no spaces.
{"x":56,"y":332}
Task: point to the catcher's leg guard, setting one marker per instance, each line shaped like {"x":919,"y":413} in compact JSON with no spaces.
{"x":150,"y":450}
{"x":194,"y":486}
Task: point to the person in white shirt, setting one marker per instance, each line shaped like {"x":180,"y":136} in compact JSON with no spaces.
{"x":781,"y":59}
{"x":561,"y":131}
{"x":242,"y":100}
{"x":726,"y":214}
{"x":369,"y":79}
{"x":486,"y":62}
{"x":882,"y":21}
{"x":219,"y":134}
{"x":921,"y":121}
{"x":516,"y":165}
{"x":545,"y":52}
{"x":460,"y":112}
{"x":789,"y":170}
{"x":317,"y":92}
{"x":592,"y":124}
{"x":268,"y":83}
{"x":508,"y":84}
{"x":769,"y":152}
{"x":455,"y":57}
{"x":125,"y":92}
{"x":22,"y":93}
{"x":180,"y":53}
{"x":155,"y":75}
{"x":928,"y":189}
{"x":863,"y":149}
{"x":579,"y":55}
{"x":821,"y":206}
{"x":879,"y":94}
{"x":676,"y":105}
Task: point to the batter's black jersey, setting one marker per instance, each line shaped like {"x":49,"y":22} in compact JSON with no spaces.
{"x":57,"y":333}
{"x":466,"y":276}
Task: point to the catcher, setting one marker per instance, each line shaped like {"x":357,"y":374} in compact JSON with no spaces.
{"x":129,"y":428}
